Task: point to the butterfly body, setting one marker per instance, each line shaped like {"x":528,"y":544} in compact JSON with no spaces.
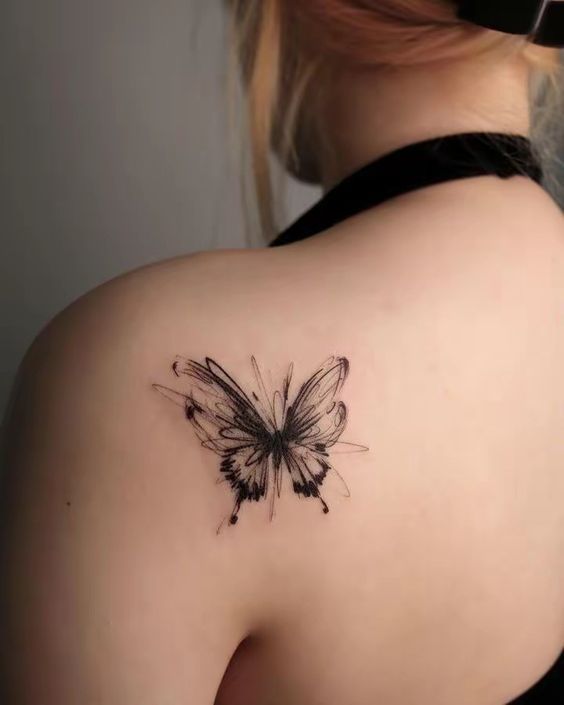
{"x":260,"y":438}
{"x":278,"y":444}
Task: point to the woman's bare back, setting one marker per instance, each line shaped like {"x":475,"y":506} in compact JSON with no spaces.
{"x":439,"y":580}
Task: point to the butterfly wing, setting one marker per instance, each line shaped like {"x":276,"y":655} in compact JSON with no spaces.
{"x":313,"y":423}
{"x":227,"y":422}
{"x":316,"y":418}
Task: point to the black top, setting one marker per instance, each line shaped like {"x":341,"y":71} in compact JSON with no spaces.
{"x":415,"y":166}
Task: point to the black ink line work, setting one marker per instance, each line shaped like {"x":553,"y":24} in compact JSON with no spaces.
{"x":261,"y":437}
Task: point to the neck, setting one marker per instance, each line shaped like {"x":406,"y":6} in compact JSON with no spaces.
{"x":369,"y":114}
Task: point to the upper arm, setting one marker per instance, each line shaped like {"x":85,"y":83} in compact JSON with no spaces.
{"x":113,"y":587}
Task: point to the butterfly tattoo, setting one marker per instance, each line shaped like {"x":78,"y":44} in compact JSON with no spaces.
{"x":260,"y":437}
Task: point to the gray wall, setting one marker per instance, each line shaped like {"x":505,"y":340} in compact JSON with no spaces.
{"x":113,"y":149}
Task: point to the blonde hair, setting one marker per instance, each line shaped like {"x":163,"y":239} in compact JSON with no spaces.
{"x":282,"y":45}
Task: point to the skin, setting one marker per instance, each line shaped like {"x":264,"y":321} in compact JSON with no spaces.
{"x":440,"y":580}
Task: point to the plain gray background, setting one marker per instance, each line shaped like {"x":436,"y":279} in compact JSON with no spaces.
{"x":114,"y":150}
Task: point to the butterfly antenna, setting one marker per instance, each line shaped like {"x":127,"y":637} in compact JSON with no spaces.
{"x":348,"y":448}
{"x":272,"y":498}
{"x":262,"y":387}
{"x":347,"y":492}
{"x":171,"y":394}
{"x":220,"y":527}
{"x":286,"y":387}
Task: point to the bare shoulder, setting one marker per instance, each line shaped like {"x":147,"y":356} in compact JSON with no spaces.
{"x":114,"y":586}
{"x":110,"y":495}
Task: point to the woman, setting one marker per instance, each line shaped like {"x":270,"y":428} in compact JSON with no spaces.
{"x":328,"y":471}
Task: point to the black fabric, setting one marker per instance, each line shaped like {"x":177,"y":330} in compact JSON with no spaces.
{"x":522,"y":19}
{"x":542,"y":22}
{"x":549,"y":690}
{"x":415,"y":166}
